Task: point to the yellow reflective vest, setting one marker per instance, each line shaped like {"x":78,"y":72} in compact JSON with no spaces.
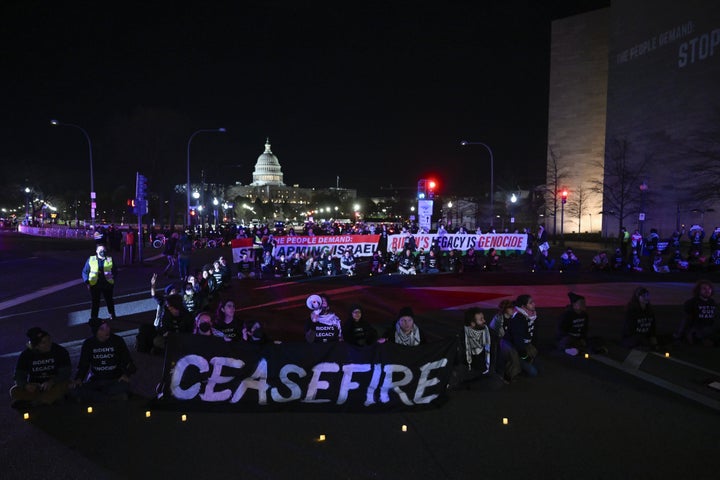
{"x":95,"y":270}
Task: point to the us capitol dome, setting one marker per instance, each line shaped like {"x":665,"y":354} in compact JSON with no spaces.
{"x":267,"y":169}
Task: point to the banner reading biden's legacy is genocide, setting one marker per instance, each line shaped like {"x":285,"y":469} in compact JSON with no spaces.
{"x":462,"y":241}
{"x":209,"y":373}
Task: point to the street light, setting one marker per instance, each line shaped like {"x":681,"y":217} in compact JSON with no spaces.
{"x":93,"y":205}
{"x":641,"y":217}
{"x":202,"y":130}
{"x":492,"y":176}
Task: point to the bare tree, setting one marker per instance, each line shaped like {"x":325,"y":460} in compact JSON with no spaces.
{"x":556,"y":175}
{"x":579,"y":204}
{"x":620,"y":184}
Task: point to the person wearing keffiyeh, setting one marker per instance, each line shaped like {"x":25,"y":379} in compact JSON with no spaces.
{"x":477,"y":342}
{"x":404,"y":331}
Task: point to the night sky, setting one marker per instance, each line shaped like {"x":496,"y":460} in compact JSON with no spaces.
{"x":377,"y":93}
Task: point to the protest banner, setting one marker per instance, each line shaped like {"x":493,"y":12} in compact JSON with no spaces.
{"x":207,"y":373}
{"x":337,"y":245}
{"x":463,"y":241}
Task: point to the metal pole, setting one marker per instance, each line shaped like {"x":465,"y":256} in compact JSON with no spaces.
{"x":187,"y":187}
{"x":492,"y":178}
{"x":93,"y":204}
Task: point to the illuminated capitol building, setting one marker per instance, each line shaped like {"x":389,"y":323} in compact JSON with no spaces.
{"x":268,"y":186}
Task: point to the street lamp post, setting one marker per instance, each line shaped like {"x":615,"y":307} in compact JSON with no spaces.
{"x":202,"y":130}
{"x":93,"y":205}
{"x":641,"y":217}
{"x":492,"y":177}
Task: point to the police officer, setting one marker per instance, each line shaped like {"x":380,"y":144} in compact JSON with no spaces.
{"x":99,"y":275}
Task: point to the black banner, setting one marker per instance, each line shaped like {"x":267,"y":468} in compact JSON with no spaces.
{"x":209,"y":373}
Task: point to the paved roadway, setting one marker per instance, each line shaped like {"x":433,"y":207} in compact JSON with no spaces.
{"x":616,"y":416}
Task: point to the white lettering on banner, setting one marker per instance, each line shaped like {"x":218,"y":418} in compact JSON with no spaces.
{"x":336,"y":245}
{"x":190,"y":360}
{"x":389,"y":377}
{"x":463,"y":242}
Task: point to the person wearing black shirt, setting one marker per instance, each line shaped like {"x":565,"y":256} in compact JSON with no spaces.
{"x":639,"y":327}
{"x":105,"y":366}
{"x":699,"y":323}
{"x":42,"y":373}
{"x":357,"y":330}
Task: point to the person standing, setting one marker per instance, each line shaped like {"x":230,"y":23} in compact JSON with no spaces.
{"x":42,"y":373}
{"x":357,"y":330}
{"x":99,"y":275}
{"x":129,"y":250}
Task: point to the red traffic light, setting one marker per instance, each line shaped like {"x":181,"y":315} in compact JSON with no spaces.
{"x":564,"y":193}
{"x":432,"y":185}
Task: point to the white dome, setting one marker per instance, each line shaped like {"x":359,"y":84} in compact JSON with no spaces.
{"x":267,"y":168}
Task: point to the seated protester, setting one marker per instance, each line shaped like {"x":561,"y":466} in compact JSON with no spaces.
{"x":508,"y":364}
{"x":377,"y":264}
{"x":677,"y":262}
{"x":639,"y":326}
{"x":225,"y":272}
{"x":246,"y":267}
{"x":433,"y":263}
{"x":658,"y":262}
{"x":282,"y":267}
{"x":618,"y":261}
{"x":323,"y":326}
{"x":572,"y":328}
{"x":651,"y":243}
{"x":297,"y":264}
{"x":203,"y":325}
{"x":329,"y":267}
{"x":635,"y":264}
{"x":358,"y":331}
{"x":267,"y":265}
{"x":420,"y":259}
{"x":696,"y":261}
{"x":404,"y":331}
{"x":406,"y":265}
{"x":312,"y":266}
{"x":492,"y":261}
{"x":521,"y":333}
{"x":545,"y":261}
{"x":226,"y":322}
{"x":600,"y":262}
{"x":253,"y":332}
{"x":569,"y":261}
{"x":454,"y":262}
{"x":42,"y":372}
{"x":477,"y":346}
{"x":393,"y":259}
{"x":104,"y":367}
{"x":699,"y":323}
{"x":347,"y":263}
{"x":175,"y":319}
{"x":714,"y":264}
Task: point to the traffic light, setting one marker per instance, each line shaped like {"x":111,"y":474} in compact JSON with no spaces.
{"x":422,"y":189}
{"x":141,"y":187}
{"x":130,"y":206}
{"x":431,"y":188}
{"x":564,"y":195}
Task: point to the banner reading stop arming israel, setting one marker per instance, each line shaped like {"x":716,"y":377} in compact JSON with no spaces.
{"x":337,"y":245}
{"x":463,"y":241}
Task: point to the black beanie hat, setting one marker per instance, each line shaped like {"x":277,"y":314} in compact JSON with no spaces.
{"x":36,"y":334}
{"x":95,"y":324}
{"x":406,"y":312}
{"x":574,"y":297}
